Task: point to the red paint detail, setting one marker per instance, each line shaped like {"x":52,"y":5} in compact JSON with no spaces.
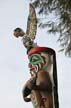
{"x":32,"y":69}
{"x":37,"y":50}
{"x":30,"y":65}
{"x":41,"y":49}
{"x":42,"y":102}
{"x":44,"y":59}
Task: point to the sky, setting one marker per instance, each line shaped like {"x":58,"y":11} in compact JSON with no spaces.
{"x":14,"y":70}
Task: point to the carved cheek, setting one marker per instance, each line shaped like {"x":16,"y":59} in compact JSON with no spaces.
{"x":45,"y":59}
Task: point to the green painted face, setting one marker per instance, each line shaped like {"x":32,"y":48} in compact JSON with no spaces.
{"x":35,"y":58}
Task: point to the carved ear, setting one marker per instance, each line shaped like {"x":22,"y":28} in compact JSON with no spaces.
{"x":31,"y":23}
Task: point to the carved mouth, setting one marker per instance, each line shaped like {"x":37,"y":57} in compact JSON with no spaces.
{"x":33,"y":68}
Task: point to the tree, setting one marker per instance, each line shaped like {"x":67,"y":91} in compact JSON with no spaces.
{"x":61,"y":23}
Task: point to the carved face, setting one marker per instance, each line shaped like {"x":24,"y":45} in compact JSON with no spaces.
{"x":38,"y":61}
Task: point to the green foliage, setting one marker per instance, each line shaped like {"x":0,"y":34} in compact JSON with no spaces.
{"x":61,"y":9}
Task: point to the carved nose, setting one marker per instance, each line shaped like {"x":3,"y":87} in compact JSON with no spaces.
{"x":30,"y":65}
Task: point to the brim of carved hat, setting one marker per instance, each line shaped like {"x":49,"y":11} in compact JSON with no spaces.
{"x":40,"y":49}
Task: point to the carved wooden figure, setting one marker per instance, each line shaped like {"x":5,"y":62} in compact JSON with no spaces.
{"x":42,"y":87}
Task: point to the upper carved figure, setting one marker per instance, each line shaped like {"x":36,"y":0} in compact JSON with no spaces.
{"x":29,"y":36}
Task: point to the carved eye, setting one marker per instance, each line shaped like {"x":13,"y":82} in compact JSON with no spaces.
{"x":35,"y":58}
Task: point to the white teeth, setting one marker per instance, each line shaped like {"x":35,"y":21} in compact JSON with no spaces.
{"x":39,"y":65}
{"x":36,"y":68}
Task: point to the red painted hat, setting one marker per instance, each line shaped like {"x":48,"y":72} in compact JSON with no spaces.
{"x":40,"y":49}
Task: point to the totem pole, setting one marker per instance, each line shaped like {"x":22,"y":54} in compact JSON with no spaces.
{"x":42,"y":87}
